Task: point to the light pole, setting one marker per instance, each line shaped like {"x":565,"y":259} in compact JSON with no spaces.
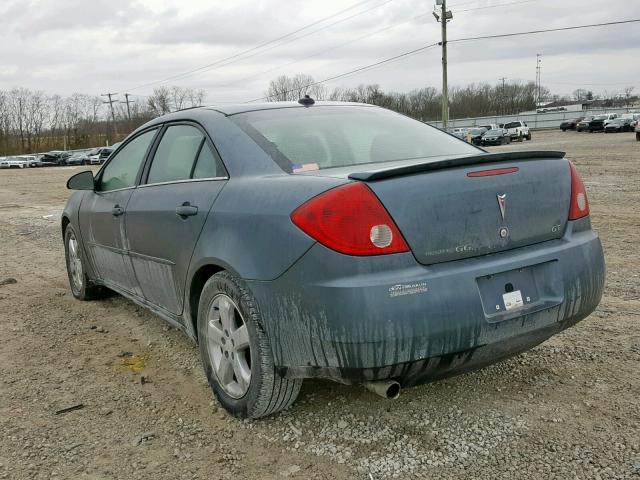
{"x":443,"y":17}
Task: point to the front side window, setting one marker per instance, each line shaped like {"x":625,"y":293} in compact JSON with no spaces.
{"x":176,"y":154}
{"x":303,"y":139}
{"x":183,"y":154}
{"x":122,"y":170}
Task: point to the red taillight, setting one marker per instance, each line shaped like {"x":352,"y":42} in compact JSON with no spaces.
{"x":351,"y":220}
{"x":579,"y":203}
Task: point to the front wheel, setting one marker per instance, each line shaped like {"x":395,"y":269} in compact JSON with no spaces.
{"x":236,"y":353}
{"x":638,"y":136}
{"x":80,"y":284}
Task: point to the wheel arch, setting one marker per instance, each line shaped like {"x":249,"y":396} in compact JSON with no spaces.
{"x":196,"y":284}
{"x":64,"y":223}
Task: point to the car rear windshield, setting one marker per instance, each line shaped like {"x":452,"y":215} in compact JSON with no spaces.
{"x":319,"y":137}
{"x":512,"y":125}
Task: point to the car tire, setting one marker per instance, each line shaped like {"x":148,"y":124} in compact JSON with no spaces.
{"x":638,"y":137}
{"x":528,"y":137}
{"x":81,"y":285}
{"x":233,"y":344}
{"x":564,"y":129}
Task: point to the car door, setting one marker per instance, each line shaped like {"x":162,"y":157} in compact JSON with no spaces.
{"x":166,"y":213}
{"x":103,"y":212}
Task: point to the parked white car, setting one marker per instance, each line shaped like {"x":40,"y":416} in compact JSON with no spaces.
{"x":518,"y":130}
{"x":14,"y":162}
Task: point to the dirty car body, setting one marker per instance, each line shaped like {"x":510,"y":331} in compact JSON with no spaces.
{"x":375,"y":247}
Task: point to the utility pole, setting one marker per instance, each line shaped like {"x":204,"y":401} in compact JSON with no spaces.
{"x":538,"y":77}
{"x":127,"y":101}
{"x":443,"y":17}
{"x":503,"y":95}
{"x":111,"y":101}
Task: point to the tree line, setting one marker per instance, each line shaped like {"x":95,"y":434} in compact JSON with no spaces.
{"x":474,"y":100}
{"x":32,"y":121}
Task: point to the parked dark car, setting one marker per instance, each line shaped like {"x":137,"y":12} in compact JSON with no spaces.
{"x":619,"y":125}
{"x":498,"y":136}
{"x":334,"y":240}
{"x":583,"y":125}
{"x":599,"y":121}
{"x":570,"y":124}
{"x":77,"y":158}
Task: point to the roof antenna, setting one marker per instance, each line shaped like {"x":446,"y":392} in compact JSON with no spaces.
{"x":307,"y":101}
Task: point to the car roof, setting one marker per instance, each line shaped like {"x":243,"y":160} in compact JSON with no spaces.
{"x":235,"y":108}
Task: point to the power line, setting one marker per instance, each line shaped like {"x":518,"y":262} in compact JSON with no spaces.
{"x":349,"y":42}
{"x":236,"y":57}
{"x":321,"y":52}
{"x":560,"y":29}
{"x":357,"y":70}
{"x":425,"y":47}
{"x":493,"y":6}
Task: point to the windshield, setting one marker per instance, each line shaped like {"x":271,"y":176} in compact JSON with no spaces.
{"x":494,"y":132}
{"x":319,"y":137}
{"x":512,"y":125}
{"x":601,"y":117}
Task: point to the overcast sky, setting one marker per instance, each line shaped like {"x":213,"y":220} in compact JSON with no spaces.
{"x":99,"y":46}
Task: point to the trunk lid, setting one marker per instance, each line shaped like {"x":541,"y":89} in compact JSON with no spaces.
{"x":457,"y":212}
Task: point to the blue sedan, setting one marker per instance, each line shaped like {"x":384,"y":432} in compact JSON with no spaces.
{"x":334,"y":240}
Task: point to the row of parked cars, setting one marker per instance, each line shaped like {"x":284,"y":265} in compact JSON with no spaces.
{"x":606,"y":122}
{"x":95,"y":156}
{"x":494,"y":134}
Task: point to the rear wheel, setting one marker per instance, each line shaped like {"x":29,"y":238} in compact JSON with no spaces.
{"x":638,"y":136}
{"x":80,"y":284}
{"x":236,"y":353}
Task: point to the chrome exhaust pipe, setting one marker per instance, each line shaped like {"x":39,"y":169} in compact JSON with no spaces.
{"x":389,"y":389}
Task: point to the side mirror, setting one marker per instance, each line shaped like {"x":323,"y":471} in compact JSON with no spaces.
{"x":81,"y":181}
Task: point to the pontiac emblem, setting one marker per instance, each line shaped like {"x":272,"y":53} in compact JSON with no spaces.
{"x":502,"y":203}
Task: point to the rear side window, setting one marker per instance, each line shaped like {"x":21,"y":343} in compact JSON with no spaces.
{"x":122,"y":170}
{"x":306,"y":139}
{"x":207,"y":164}
{"x":176,"y":154}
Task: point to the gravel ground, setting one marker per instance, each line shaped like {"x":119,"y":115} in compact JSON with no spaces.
{"x":568,"y":409}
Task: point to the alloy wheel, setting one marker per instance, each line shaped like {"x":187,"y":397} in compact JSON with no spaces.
{"x":228,"y":346}
{"x":75,"y":263}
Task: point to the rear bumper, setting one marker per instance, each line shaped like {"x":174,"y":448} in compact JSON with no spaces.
{"x":355,"y":319}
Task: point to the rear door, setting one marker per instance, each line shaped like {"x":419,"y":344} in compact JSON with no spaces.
{"x":103,"y":213}
{"x":167,"y":211}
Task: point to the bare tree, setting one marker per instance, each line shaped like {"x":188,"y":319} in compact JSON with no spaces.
{"x":286,"y":88}
{"x":628,"y":92}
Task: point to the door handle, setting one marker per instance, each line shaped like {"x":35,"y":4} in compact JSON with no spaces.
{"x":186,"y":210}
{"x":117,"y":210}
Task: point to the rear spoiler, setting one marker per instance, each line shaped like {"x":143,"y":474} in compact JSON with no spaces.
{"x":430,"y":165}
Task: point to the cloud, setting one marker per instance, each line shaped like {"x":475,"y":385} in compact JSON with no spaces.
{"x":64,"y":46}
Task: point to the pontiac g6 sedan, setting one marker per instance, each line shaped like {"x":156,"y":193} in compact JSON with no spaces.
{"x":334,"y":240}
